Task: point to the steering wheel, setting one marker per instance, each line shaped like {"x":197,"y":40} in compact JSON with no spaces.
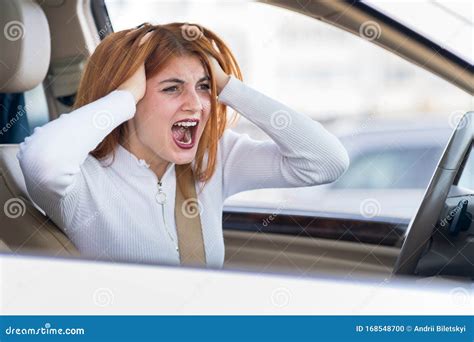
{"x":421,"y":227}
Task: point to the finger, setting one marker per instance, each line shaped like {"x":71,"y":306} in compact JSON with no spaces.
{"x":145,"y":38}
{"x":134,"y":30}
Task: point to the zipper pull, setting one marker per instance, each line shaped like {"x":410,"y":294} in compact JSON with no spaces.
{"x":160,"y":196}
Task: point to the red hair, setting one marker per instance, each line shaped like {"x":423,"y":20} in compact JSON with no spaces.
{"x":120,"y":54}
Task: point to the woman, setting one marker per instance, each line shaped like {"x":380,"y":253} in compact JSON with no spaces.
{"x":119,"y":174}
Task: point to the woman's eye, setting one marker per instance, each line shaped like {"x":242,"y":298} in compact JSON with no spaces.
{"x":205,"y":86}
{"x":170,"y":89}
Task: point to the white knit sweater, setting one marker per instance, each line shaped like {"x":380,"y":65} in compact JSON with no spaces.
{"x":110,"y":213}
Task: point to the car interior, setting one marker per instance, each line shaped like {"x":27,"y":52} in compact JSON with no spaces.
{"x":59,"y":37}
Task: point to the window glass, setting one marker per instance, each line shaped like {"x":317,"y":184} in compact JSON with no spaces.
{"x":390,"y":169}
{"x":342,"y":80}
{"x":467,"y":175}
{"x":36,"y":107}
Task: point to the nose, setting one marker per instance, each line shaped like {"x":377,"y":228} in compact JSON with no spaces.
{"x":192,"y":101}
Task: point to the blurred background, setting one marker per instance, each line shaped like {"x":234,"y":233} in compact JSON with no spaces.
{"x":394,"y":118}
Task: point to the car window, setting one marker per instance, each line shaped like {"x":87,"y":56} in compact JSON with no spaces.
{"x":445,"y":22}
{"x":36,"y":107}
{"x":467,"y":176}
{"x":20,"y":113}
{"x":391,"y":169}
{"x":342,"y":80}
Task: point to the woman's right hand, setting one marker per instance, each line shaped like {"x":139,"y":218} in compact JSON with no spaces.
{"x":136,"y":84}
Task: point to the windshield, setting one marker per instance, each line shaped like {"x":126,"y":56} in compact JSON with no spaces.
{"x":447,"y":23}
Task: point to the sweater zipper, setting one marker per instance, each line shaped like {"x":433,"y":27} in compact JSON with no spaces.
{"x":161,"y":199}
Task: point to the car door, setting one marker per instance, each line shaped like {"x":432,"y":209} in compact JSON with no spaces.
{"x":342,"y":80}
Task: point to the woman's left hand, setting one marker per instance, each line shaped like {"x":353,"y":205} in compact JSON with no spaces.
{"x":221,"y":77}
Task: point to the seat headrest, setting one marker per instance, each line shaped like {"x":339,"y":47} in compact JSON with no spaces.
{"x":25,"y":46}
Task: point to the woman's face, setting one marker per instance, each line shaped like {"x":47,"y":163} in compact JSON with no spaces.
{"x":180,"y":91}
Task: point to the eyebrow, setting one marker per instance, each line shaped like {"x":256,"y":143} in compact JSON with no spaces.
{"x":177,"y":80}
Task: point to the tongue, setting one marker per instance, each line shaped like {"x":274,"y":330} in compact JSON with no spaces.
{"x":181,"y":134}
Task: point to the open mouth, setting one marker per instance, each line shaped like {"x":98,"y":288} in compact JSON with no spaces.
{"x":184,"y":133}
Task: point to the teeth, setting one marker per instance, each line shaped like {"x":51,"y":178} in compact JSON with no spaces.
{"x":186,"y":124}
